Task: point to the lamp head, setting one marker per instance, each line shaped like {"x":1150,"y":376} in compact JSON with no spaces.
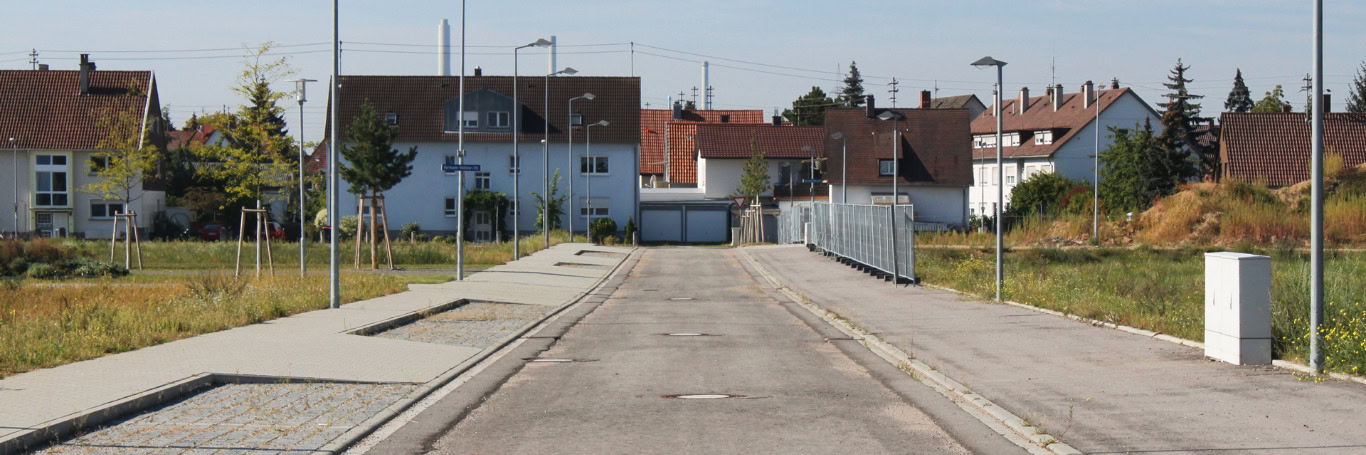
{"x":601,"y":123}
{"x":988,"y":61}
{"x":567,"y":71}
{"x":837,"y":135}
{"x":542,"y":42}
{"x":890,"y":115}
{"x":588,"y":96}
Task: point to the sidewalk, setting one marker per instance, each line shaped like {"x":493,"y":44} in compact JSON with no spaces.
{"x":1096,"y":389}
{"x":313,"y":346}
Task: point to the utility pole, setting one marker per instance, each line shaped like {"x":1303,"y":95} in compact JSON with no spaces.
{"x":33,"y":58}
{"x":893,"y":91}
{"x":694,"y":96}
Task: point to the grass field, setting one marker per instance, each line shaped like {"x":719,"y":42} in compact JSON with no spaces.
{"x":1163,"y":291}
{"x":45,"y":323}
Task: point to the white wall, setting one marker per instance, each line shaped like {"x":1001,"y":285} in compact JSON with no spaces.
{"x":937,"y":204}
{"x":421,"y":196}
{"x":146,"y":203}
{"x":720,"y":177}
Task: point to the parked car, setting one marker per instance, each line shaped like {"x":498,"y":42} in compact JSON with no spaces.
{"x":275,"y":231}
{"x":211,"y":232}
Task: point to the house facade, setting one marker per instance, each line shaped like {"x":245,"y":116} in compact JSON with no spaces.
{"x":1273,"y":148}
{"x":51,"y":126}
{"x":935,"y":162}
{"x":424,"y":110}
{"x":1051,"y":133}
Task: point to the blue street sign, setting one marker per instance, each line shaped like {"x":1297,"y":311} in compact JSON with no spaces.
{"x":813,"y":181}
{"x":460,"y":167}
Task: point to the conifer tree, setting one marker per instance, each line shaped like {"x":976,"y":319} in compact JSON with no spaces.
{"x":852,"y":93}
{"x":809,"y":109}
{"x":1180,"y":113}
{"x":1356,"y":99}
{"x":1239,"y":99}
{"x":371,"y":165}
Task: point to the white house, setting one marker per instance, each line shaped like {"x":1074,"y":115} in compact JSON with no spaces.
{"x":425,"y":112}
{"x":1051,"y":133}
{"x":50,"y":129}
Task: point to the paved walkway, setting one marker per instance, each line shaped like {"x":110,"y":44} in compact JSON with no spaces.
{"x":1099,"y":390}
{"x":313,"y":346}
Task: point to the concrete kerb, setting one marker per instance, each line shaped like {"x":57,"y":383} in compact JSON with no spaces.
{"x":362,"y":430}
{"x":1012,"y":427}
{"x":1283,"y":364}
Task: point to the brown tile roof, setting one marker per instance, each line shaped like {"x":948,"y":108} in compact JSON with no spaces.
{"x":419,"y":103}
{"x":177,"y":139}
{"x":936,"y":146}
{"x":1066,"y":121}
{"x":653,"y":125}
{"x":953,"y":102}
{"x":1274,"y":148}
{"x":45,"y":110}
{"x":733,"y":141}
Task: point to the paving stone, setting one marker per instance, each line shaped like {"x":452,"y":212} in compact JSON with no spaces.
{"x":477,"y":324}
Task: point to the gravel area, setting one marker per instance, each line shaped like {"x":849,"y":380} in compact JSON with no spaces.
{"x":478,"y":324}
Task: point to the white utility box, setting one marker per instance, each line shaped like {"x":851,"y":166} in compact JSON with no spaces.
{"x":1238,"y":308}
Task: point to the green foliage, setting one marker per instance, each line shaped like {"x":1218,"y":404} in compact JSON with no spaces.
{"x":601,"y":228}
{"x":41,"y":271}
{"x":556,"y":204}
{"x":371,"y":164}
{"x":1239,"y":99}
{"x":1041,"y":194}
{"x":348,"y":227}
{"x":754,"y":180}
{"x":1356,"y":98}
{"x":1134,"y":171}
{"x":496,"y":204}
{"x":809,"y":109}
{"x":630,"y":229}
{"x":128,"y":158}
{"x":409,"y":230}
{"x":1178,"y":136}
{"x":163,"y":228}
{"x":851,"y":95}
{"x":258,"y":154}
{"x":1273,"y":102}
{"x":689,"y":105}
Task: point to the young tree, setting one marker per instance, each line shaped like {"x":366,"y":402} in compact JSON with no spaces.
{"x":1239,"y":99}
{"x":852,"y":93}
{"x":1273,"y":102}
{"x":372,"y":165}
{"x":809,"y":109}
{"x":1356,"y":99}
{"x":1132,"y":173}
{"x":754,"y":181}
{"x":1178,"y":136}
{"x":166,"y":123}
{"x":1040,"y":194}
{"x":124,"y":158}
{"x":557,"y":201}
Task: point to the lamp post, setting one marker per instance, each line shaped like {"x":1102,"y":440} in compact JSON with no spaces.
{"x":588,"y":176}
{"x":844,"y":166}
{"x":545,"y":157}
{"x":1316,"y":215}
{"x":15,"y":151}
{"x":300,"y":95}
{"x":1095,"y":182}
{"x":811,"y":175}
{"x":569,"y":215}
{"x":894,"y":116}
{"x":460,"y":159}
{"x":516,"y":155}
{"x":1000,"y":169}
{"x":333,"y":265}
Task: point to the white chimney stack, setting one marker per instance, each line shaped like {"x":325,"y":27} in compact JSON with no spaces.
{"x":554,"y":49}
{"x":443,"y":48}
{"x":1088,"y":94}
{"x":706,"y":85}
{"x":1023,"y":103}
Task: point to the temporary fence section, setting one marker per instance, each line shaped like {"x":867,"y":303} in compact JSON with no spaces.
{"x":791,"y":222}
{"x":880,"y":237}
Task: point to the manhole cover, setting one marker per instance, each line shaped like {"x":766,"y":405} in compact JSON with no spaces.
{"x":704,"y":396}
{"x":688,"y":334}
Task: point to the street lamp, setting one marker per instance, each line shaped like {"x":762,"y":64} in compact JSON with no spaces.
{"x":516,"y":155}
{"x":15,"y":151}
{"x":1000,"y":169}
{"x":1316,"y":315}
{"x":333,"y":263}
{"x":570,"y":214}
{"x":588,"y":176}
{"x":811,"y":174}
{"x":545,"y":157}
{"x":894,"y":116}
{"x":301,"y":95}
{"x":844,"y":166}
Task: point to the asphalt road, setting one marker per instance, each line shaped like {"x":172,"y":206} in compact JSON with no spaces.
{"x":796,"y":385}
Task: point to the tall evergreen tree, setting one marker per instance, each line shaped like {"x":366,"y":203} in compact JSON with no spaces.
{"x":1182,"y":151}
{"x":809,"y":109}
{"x":1239,"y":99}
{"x":1133,"y":170}
{"x":1356,"y":100}
{"x":852,"y":93}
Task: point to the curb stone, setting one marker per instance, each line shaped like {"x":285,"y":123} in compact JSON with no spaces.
{"x":1012,"y":427}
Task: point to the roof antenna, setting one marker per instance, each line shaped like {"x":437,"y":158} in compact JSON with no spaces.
{"x":1053,"y":72}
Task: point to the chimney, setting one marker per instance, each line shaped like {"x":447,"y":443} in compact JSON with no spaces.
{"x":42,"y":67}
{"x":443,"y":48}
{"x":1057,"y":97}
{"x":1023,"y":102}
{"x":1285,"y":108}
{"x":706,"y":85}
{"x":478,"y":71}
{"x":1327,"y":103}
{"x":872,"y":108}
{"x":925,"y":101}
{"x":87,"y":67}
{"x":1088,"y":94}
{"x":777,"y":120}
{"x":1114,"y":84}
{"x":554,"y":55}
{"x":678,"y":110}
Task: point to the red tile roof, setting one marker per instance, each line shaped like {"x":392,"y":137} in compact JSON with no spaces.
{"x":419,"y":103}
{"x":733,"y":141}
{"x":177,"y":139}
{"x":936,"y":147}
{"x":656,"y":123}
{"x":1065,"y":122}
{"x":1274,"y":148}
{"x":45,"y":110}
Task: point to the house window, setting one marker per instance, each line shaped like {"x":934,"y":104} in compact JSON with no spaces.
{"x":471,"y":119}
{"x":725,"y":118}
{"x":1011,"y":139}
{"x":593,"y":165}
{"x":597,"y":207}
{"x":514,"y":165}
{"x":481,"y":180}
{"x":51,"y":181}
{"x":390,"y":118}
{"x":98,"y":163}
{"x":450,"y":206}
{"x":1044,"y":137}
{"x":1010,"y":180}
{"x":450,"y":161}
{"x":498,"y":119}
{"x":105,"y":210}
{"x":576,"y":120}
{"x":995,"y":176}
{"x":884,"y":168}
{"x":984,"y":141}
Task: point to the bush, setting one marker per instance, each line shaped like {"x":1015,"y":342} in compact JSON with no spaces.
{"x":348,"y":227}
{"x":41,"y":270}
{"x":630,"y":229}
{"x":409,"y":230}
{"x":609,"y":240}
{"x":601,"y":228}
{"x":1041,"y":194}
{"x":16,"y":267}
{"x":439,"y":239}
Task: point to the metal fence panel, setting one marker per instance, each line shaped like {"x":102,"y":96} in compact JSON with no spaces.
{"x":864,"y":234}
